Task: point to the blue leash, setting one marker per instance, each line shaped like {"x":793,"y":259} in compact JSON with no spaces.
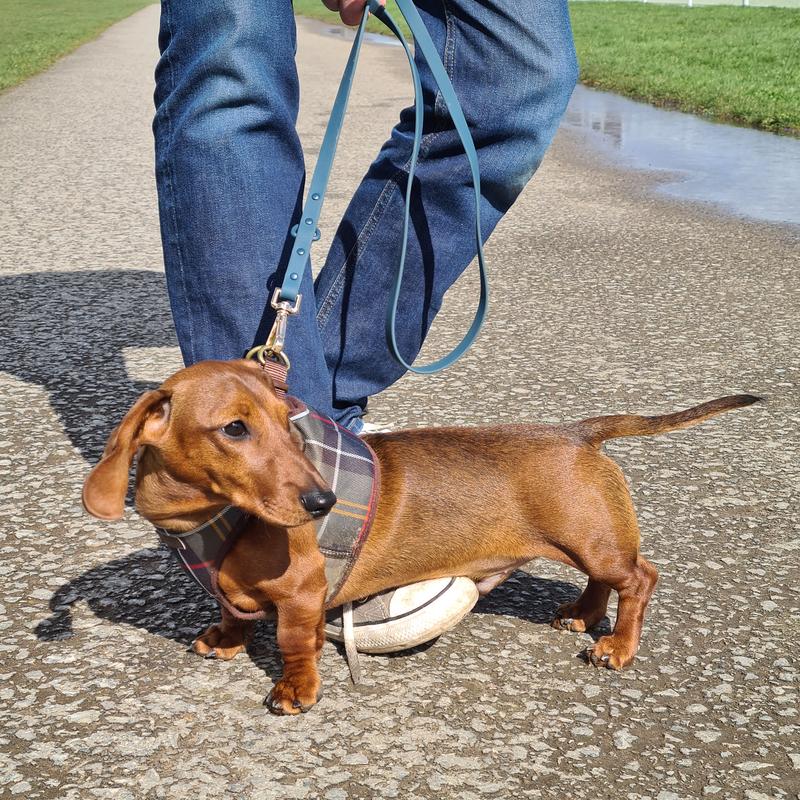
{"x":287,"y":299}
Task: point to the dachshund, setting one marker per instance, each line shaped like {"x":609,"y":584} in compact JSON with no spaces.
{"x":476,"y":502}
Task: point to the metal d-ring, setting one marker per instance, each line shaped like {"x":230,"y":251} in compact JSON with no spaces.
{"x":261,"y":353}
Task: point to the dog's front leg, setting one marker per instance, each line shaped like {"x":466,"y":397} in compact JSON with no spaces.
{"x":300,"y":638}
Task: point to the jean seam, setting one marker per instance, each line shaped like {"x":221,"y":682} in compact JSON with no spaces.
{"x":448,"y":62}
{"x":449,"y":42}
{"x":370,"y":225}
{"x":171,"y":189}
{"x":332,"y":295}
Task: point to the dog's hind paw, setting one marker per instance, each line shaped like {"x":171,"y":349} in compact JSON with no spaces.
{"x":577,"y":617}
{"x":567,"y":624}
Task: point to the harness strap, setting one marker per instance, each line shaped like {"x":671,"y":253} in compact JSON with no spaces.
{"x":277,"y":371}
{"x":169,"y":540}
{"x":306,"y":231}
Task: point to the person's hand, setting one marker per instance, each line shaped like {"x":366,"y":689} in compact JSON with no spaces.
{"x":350,"y":11}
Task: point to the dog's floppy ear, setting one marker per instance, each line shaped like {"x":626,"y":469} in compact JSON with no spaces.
{"x":105,"y":488}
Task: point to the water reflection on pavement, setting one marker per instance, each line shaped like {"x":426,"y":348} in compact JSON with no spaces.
{"x":745,"y":171}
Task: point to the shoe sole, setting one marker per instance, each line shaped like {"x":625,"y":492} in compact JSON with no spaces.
{"x":416,"y":627}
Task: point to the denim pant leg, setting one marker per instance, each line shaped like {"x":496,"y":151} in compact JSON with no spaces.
{"x":230,"y":172}
{"x":513,"y":67}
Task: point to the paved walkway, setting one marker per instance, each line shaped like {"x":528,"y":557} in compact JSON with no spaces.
{"x":606,"y":299}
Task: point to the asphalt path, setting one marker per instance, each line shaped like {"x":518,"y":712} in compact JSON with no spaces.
{"x":607,"y":298}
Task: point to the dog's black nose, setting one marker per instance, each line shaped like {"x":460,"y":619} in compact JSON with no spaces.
{"x":318,"y":503}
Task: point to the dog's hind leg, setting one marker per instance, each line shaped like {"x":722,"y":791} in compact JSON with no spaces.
{"x":634,"y":589}
{"x":597,"y":532}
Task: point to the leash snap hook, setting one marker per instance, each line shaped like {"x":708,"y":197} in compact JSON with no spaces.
{"x":285,"y":309}
{"x":273,"y":348}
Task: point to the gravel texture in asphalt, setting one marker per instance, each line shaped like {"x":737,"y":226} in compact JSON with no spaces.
{"x":606,"y":299}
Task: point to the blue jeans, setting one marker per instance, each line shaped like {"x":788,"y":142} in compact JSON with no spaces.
{"x":230,"y":174}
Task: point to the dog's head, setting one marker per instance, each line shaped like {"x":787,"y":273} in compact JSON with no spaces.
{"x":214,"y":434}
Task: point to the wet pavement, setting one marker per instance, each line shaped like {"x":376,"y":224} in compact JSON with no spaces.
{"x":607,"y":298}
{"x":743,"y":171}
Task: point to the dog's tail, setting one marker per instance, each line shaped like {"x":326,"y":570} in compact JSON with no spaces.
{"x":597,"y":429}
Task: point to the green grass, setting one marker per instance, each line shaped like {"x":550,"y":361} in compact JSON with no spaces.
{"x":34,"y":33}
{"x":731,"y":64}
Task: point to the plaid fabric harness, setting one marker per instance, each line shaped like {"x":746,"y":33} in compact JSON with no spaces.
{"x":350,"y":468}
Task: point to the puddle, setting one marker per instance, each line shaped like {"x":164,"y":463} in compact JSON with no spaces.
{"x":744,"y":171}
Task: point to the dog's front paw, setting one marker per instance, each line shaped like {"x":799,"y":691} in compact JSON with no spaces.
{"x":612,"y":652}
{"x":221,"y":642}
{"x":567,"y":623}
{"x":293,"y":695}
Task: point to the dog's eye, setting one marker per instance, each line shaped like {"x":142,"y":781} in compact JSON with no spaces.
{"x":235,"y":430}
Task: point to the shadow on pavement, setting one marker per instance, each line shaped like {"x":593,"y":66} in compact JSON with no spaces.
{"x":65,"y":331}
{"x":533,"y":599}
{"x":147,"y":590}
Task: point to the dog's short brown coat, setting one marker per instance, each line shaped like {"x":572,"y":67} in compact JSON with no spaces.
{"x":477,"y":502}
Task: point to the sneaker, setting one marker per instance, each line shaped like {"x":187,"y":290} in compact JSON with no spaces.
{"x":374,"y":427}
{"x":406,"y":617}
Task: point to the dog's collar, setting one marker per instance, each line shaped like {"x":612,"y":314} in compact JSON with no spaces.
{"x":349,"y":467}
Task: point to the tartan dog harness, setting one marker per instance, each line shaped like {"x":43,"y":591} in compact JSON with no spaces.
{"x":347,"y":464}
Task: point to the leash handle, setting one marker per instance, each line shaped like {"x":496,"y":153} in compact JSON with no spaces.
{"x":306,"y":230}
{"x":428,"y":49}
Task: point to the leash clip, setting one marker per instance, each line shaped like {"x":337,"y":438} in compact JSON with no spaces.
{"x":273,"y":348}
{"x":284,"y":309}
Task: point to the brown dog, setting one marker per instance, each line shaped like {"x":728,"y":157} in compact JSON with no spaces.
{"x":477,"y":502}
